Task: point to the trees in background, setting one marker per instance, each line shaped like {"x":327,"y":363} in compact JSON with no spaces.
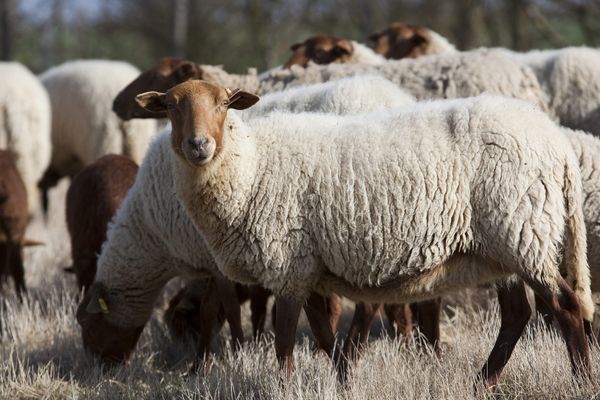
{"x":243,"y":33}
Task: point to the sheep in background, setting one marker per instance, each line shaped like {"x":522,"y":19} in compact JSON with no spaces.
{"x":25,"y":125}
{"x":402,"y":40}
{"x":83,"y":126}
{"x":92,"y":200}
{"x":295,"y":240}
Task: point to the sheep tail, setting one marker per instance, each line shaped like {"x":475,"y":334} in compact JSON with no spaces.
{"x":578,"y":271}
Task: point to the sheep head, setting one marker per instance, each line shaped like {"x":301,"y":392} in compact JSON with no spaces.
{"x":321,"y":50}
{"x":197,"y":110}
{"x":112,"y":343}
{"x":401,"y":40}
{"x":169,"y":72}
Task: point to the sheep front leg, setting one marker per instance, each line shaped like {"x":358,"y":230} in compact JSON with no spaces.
{"x":427,"y":315}
{"x":359,"y":329}
{"x":288,"y":312}
{"x":231,"y":306}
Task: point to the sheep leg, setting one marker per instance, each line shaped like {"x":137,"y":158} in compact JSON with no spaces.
{"x":400,"y":320}
{"x":288,"y":312}
{"x":17,"y":271}
{"x":259,"y":297}
{"x":231,"y":307}
{"x":317,"y":312}
{"x":428,"y":321}
{"x":334,"y":310}
{"x":514,"y":313}
{"x":359,"y":329}
{"x":208,"y":314}
{"x":543,"y":310}
{"x":567,"y":311}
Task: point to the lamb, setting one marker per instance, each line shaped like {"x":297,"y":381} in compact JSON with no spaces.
{"x":13,"y":222}
{"x":25,"y":125}
{"x":325,"y":49}
{"x":487,"y":218}
{"x":169,"y":72}
{"x":149,"y":241}
{"x":83,"y":126}
{"x":92,"y":200}
{"x":402,"y":40}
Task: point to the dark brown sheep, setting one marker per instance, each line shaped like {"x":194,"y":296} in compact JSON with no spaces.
{"x":92,"y":200}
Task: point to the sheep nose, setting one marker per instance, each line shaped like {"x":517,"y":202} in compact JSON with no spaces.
{"x":197,"y":143}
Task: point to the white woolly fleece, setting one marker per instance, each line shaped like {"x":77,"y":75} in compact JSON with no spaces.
{"x":84,"y":126}
{"x":439,"y":44}
{"x":444,"y":76}
{"x":217,"y":75}
{"x":25,"y":125}
{"x":441,"y":195}
{"x":361,"y":54}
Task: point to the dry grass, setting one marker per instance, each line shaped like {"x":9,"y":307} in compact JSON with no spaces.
{"x":43,"y":357}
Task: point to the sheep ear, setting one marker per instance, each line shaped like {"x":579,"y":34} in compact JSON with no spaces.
{"x":152,"y":101}
{"x":31,"y":243}
{"x":187,"y":70}
{"x":344,"y":47}
{"x":98,"y":303}
{"x":240,"y":100}
{"x":373,"y":37}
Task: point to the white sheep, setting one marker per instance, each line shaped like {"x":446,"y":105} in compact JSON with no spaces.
{"x":434,"y":77}
{"x":25,"y":125}
{"x":393,"y":206}
{"x":402,"y":40}
{"x":84,"y":127}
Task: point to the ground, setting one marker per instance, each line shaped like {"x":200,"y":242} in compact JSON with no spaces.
{"x":43,"y":357}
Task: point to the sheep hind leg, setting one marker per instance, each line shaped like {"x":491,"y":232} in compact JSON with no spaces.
{"x":231,"y":306}
{"x":17,"y":270}
{"x":400,"y":320}
{"x":317,"y":313}
{"x":259,"y":297}
{"x":360,"y":327}
{"x":427,"y":314}
{"x":514,"y":313}
{"x":208,"y":314}
{"x":288,"y":312}
{"x":566,"y":309}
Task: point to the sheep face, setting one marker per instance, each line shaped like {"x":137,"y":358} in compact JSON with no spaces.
{"x":163,"y":76}
{"x":321,"y":50}
{"x":401,"y":40}
{"x":197,"y":110}
{"x":112,"y":343}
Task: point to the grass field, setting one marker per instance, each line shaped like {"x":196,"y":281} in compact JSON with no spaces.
{"x":42,"y":355}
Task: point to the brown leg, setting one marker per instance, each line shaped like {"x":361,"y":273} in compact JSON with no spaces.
{"x":288,"y":312}
{"x":588,"y":328}
{"x":231,"y":307}
{"x":514,"y":314}
{"x":544,"y":311}
{"x":428,"y":321}
{"x":316,"y":309}
{"x":207,"y":314}
{"x":567,"y":311}
{"x":334,"y":310}
{"x":359,"y":329}
{"x":17,"y":271}
{"x":258,"y":306}
{"x":400,"y":320}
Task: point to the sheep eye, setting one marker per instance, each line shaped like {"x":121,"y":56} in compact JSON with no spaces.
{"x":225,"y":102}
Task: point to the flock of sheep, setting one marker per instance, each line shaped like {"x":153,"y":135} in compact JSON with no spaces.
{"x":394,"y":174}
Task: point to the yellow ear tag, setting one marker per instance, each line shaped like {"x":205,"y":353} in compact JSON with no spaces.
{"x":228,"y":91}
{"x":103,"y":305}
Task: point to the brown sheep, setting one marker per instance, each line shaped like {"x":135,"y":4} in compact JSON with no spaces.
{"x":92,"y":200}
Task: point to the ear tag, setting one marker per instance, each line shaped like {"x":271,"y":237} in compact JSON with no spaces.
{"x":103,"y":305}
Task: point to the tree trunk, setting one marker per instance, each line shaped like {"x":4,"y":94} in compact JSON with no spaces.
{"x":180,"y":27}
{"x":7,"y":16}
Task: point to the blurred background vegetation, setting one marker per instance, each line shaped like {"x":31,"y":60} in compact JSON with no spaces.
{"x":257,"y":33}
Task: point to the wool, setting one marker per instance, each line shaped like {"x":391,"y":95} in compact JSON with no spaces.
{"x":442,"y":195}
{"x":217,"y":75}
{"x":25,"y":125}
{"x":361,"y":54}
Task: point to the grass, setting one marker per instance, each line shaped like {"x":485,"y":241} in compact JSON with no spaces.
{"x":42,"y":355}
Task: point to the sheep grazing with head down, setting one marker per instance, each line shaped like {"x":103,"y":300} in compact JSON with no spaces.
{"x":83,"y":126}
{"x":326,"y":49}
{"x":25,"y":125}
{"x":92,"y":200}
{"x":13,"y":222}
{"x":442,"y":195}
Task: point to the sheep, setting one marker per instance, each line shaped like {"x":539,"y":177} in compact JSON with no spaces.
{"x":83,"y":126}
{"x":325,"y":49}
{"x":169,"y":72}
{"x":25,"y":125}
{"x":92,"y":200}
{"x":150,"y":240}
{"x":402,"y":40}
{"x":13,"y":222}
{"x":434,"y":77}
{"x":489,"y":187}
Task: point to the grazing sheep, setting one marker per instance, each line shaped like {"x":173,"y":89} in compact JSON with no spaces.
{"x":13,"y":222}
{"x":435,"y":77}
{"x":83,"y":126}
{"x":402,"y":40}
{"x":325,"y":49}
{"x":442,"y":195}
{"x":25,"y":122}
{"x":169,"y":72}
{"x":92,"y":200}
